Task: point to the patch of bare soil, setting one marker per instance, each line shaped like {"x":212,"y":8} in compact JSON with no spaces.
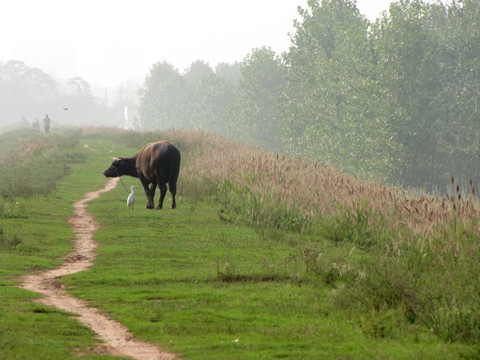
{"x":118,"y":340}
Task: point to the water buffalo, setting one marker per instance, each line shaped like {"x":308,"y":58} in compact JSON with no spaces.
{"x":156,"y":164}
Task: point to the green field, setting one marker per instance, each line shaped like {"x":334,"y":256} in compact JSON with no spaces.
{"x":229,"y":274}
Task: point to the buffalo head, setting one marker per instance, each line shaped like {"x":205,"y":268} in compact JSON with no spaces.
{"x":121,"y":166}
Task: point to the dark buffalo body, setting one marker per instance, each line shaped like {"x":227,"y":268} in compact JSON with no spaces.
{"x":155,"y":164}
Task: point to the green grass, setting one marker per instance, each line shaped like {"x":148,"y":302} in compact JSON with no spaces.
{"x":30,"y":330}
{"x":213,"y":290}
{"x":196,"y":280}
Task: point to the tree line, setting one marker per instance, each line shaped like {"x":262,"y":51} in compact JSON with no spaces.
{"x":396,"y":99}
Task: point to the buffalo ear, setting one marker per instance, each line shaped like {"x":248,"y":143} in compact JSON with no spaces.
{"x":117,"y":161}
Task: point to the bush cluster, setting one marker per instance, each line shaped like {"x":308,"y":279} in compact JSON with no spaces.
{"x":34,"y":162}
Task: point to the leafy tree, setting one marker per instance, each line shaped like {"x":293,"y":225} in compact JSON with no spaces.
{"x":211,"y":102}
{"x":79,"y":87}
{"x":255,"y":111}
{"x":229,"y":72}
{"x":197,"y":71}
{"x":198,"y":98}
{"x":461,"y":34}
{"x":410,"y":70}
{"x":329,"y":102}
{"x":25,"y":91}
{"x":210,"y":95}
{"x":83,"y":107}
{"x":162,"y":98}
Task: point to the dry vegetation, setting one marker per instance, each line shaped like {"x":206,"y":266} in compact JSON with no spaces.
{"x":317,"y":190}
{"x":417,"y":254}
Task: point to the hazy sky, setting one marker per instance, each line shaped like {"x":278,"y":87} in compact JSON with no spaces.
{"x":109,"y":41}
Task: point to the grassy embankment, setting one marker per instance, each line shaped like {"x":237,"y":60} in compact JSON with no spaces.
{"x":35,"y":235}
{"x":265,"y":257}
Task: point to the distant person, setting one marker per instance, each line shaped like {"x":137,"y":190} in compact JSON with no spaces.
{"x":46,"y":123}
{"x":36,"y":124}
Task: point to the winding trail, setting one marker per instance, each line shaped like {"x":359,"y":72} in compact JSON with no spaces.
{"x":118,"y":340}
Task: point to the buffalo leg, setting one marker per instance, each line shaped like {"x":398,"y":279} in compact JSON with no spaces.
{"x":163,"y":192}
{"x":148,"y":193}
{"x":173,"y":191}
{"x":153,"y":188}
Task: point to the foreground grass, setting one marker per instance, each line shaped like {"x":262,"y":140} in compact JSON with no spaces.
{"x":207,"y":287}
{"x":163,"y":274}
{"x":195,"y":280}
{"x":35,"y":235}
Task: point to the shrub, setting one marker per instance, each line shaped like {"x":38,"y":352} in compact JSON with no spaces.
{"x":23,"y":167}
{"x":9,"y":241}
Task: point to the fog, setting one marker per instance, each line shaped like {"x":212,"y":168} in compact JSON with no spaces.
{"x":28,"y":94}
{"x":110,"y":46}
{"x":392,"y":97}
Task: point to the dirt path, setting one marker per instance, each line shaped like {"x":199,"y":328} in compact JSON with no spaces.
{"x":117,"y":338}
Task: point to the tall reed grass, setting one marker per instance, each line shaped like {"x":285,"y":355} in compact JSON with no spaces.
{"x":316,"y":190}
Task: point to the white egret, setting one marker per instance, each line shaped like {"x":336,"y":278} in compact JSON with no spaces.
{"x":131,"y":199}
